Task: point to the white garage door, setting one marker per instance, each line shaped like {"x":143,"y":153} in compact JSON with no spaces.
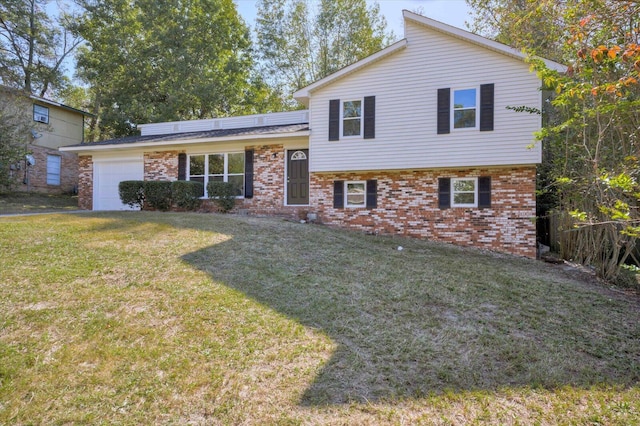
{"x":106,"y":177}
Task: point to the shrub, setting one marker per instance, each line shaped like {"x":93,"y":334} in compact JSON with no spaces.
{"x":157,"y":195}
{"x":132,"y":193}
{"x":186,"y":194}
{"x":223,"y":194}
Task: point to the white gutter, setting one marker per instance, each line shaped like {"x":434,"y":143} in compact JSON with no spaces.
{"x":135,"y":145}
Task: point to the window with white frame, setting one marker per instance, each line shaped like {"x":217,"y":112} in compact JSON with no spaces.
{"x":355,"y":194}
{"x":226,"y":167}
{"x":464,"y":111}
{"x":41,"y":114}
{"x":352,"y":118}
{"x":53,"y":169}
{"x":464,"y":192}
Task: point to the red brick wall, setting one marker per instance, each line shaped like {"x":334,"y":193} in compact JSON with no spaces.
{"x":408,"y":205}
{"x":268,"y":184}
{"x":85,"y":182}
{"x":162,"y":165}
{"x":407,"y":201}
{"x":38,"y":173}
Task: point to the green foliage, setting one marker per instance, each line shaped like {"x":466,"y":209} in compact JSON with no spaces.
{"x":33,"y":46}
{"x":591,"y":123}
{"x":298,"y":45}
{"x":157,"y":195}
{"x":530,"y":25}
{"x":154,"y":61}
{"x":186,"y":194}
{"x":132,"y":193}
{"x":223,"y":194}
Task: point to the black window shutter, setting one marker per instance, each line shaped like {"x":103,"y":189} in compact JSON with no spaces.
{"x":338,"y":194}
{"x":484,"y":192}
{"x":486,"y":107}
{"x":248,"y":173}
{"x":372,"y":194}
{"x":444,"y":193}
{"x":182,"y":166}
{"x":370,"y":117}
{"x":334,"y":119}
{"x":444,"y":111}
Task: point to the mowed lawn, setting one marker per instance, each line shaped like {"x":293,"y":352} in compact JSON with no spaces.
{"x":167,"y":318}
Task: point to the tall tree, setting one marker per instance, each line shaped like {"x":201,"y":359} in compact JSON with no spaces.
{"x":15,"y":126}
{"x":534,"y":25}
{"x":150,"y":61}
{"x":298,"y":44}
{"x":33,"y":46}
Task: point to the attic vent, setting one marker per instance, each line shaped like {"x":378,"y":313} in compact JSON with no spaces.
{"x":216,"y":124}
{"x":260,"y":121}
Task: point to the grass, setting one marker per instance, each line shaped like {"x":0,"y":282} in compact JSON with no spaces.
{"x":128,"y":318}
{"x":33,"y":202}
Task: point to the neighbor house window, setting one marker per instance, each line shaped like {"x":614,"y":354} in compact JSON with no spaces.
{"x":355,"y":194}
{"x":352,"y":118}
{"x":464,"y":192}
{"x":53,"y":170}
{"x":464,"y":109}
{"x":227,"y":167}
{"x":41,"y":114}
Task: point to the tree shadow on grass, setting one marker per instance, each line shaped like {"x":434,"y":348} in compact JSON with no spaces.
{"x":430,"y":318}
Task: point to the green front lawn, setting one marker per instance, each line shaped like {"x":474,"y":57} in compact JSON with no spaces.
{"x":33,"y":202}
{"x":147,"y":318}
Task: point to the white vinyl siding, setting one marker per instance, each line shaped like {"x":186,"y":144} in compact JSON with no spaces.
{"x":406,"y":85}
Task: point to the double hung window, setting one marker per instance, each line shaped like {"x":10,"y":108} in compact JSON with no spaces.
{"x":41,"y":114}
{"x":352,"y":118}
{"x":464,"y":109}
{"x":464,"y":192}
{"x":355,"y":194}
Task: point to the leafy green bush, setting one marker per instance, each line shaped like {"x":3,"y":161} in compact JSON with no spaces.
{"x":132,"y":193}
{"x":223,"y":194}
{"x":186,"y":194}
{"x":157,"y":195}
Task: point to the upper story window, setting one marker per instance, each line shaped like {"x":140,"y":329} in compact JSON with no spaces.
{"x":227,"y":167}
{"x":41,"y":114}
{"x":464,"y":109}
{"x":470,"y":108}
{"x":352,"y":118}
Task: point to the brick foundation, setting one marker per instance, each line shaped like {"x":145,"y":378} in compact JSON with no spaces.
{"x":407,"y":204}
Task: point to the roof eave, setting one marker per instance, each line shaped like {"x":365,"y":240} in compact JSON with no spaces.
{"x":60,"y":105}
{"x":304,"y":94}
{"x":135,"y":145}
{"x":477,"y":39}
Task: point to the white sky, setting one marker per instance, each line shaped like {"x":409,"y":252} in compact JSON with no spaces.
{"x":452,"y":12}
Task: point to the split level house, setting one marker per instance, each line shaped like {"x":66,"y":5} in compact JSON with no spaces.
{"x":51,"y":125}
{"x":417,"y":140}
